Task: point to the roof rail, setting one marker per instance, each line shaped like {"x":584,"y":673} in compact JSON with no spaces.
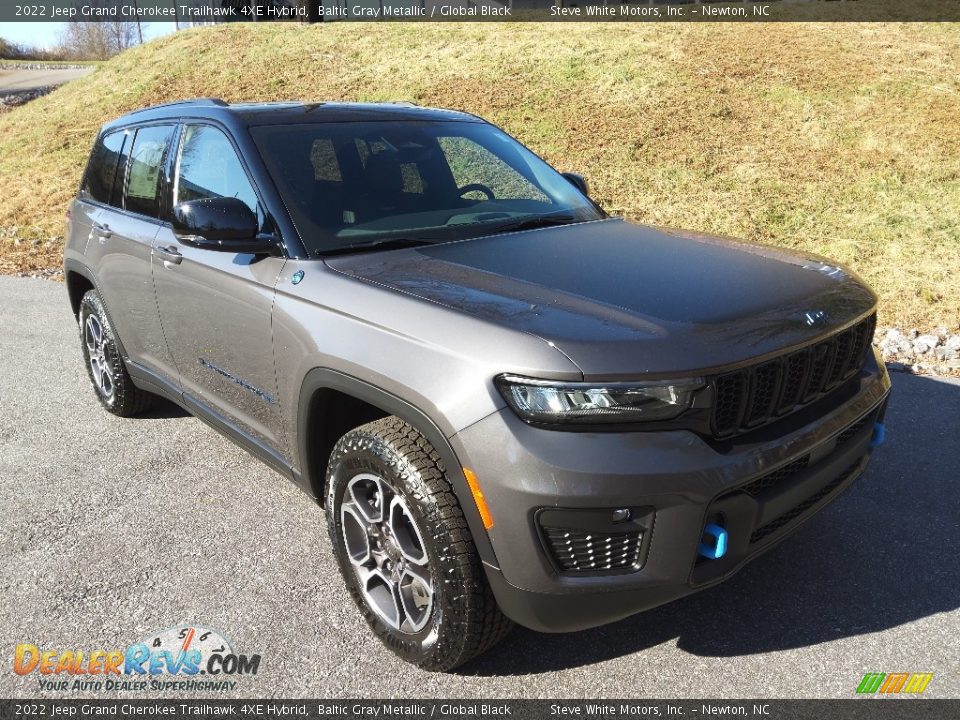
{"x":190,"y":101}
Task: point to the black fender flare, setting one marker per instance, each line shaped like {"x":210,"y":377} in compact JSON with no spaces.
{"x":329,"y":379}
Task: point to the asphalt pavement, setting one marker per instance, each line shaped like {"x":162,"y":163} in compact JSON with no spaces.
{"x":17,"y":81}
{"x":114,"y":529}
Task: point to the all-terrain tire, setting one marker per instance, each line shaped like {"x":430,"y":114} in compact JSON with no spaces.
{"x":108,"y":374}
{"x":464,"y":620}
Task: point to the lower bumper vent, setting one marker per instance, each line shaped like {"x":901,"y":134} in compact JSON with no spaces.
{"x":589,"y":551}
{"x":761,"y":532}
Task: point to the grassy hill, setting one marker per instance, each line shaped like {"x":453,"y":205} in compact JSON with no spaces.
{"x":838,"y":139}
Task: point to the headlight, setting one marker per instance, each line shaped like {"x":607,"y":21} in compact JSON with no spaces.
{"x":550,"y":401}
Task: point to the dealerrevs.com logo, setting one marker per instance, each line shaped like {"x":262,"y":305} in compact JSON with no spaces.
{"x":181,"y":658}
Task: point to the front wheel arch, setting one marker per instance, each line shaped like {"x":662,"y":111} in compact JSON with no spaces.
{"x":312,"y":455}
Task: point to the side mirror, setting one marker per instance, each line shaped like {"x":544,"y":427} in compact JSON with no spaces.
{"x":225,"y":224}
{"x":578,"y":181}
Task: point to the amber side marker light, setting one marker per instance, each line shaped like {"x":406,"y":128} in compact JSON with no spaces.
{"x":478,"y":498}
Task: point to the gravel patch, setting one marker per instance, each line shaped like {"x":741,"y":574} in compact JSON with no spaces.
{"x":16,"y":99}
{"x":936,"y":352}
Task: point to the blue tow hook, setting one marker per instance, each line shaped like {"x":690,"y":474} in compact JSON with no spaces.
{"x":713,"y":545}
{"x":879,"y":435}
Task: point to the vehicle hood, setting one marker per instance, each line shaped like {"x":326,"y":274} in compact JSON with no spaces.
{"x":620,"y":299}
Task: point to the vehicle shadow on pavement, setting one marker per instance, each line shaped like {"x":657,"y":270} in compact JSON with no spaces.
{"x":164,"y":410}
{"x":881,"y":556}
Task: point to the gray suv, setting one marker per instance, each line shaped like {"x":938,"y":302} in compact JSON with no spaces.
{"x":513,"y":407}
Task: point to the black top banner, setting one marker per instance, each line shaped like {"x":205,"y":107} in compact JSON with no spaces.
{"x":206,"y":709}
{"x":210,"y":11}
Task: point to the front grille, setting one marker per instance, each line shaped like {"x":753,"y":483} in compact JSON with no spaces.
{"x":794,"y":373}
{"x":761,"y":532}
{"x":728,"y":396}
{"x":754,"y":396}
{"x":585,"y":551}
{"x":763,"y":392}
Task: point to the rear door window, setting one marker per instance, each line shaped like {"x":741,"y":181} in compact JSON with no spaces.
{"x":144,"y":170}
{"x":103,"y":167}
{"x":116,"y":195}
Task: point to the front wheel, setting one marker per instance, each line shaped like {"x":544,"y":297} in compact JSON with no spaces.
{"x":405,"y":550}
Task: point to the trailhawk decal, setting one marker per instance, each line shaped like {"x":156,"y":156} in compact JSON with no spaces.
{"x":263,"y":395}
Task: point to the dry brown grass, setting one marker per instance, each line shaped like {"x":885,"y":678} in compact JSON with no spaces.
{"x":838,"y":139}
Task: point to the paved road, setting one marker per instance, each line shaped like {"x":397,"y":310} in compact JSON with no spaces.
{"x":115,"y":528}
{"x":16,"y":81}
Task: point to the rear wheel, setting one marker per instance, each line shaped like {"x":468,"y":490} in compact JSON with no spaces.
{"x":405,"y":550}
{"x":108,"y":375}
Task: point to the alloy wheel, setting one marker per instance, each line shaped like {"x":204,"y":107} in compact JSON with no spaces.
{"x":387,"y":553}
{"x":99,"y":354}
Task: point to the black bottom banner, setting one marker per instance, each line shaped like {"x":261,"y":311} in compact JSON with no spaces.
{"x":865,"y":709}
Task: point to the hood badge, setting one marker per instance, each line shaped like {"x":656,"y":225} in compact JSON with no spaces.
{"x":815,"y":318}
{"x":297,"y":277}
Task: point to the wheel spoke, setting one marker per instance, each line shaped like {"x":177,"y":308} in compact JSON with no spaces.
{"x":416,"y":597}
{"x":419,"y":573}
{"x":356,"y":530}
{"x":97,"y":330}
{"x":369,"y":495}
{"x":106,"y":381}
{"x":382,"y":595}
{"x":406,"y":532}
{"x":89,"y":338}
{"x":95,"y":370}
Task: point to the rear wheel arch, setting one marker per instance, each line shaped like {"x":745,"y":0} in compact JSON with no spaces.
{"x":331,"y":402}
{"x":79,"y":280}
{"x":78,"y":284}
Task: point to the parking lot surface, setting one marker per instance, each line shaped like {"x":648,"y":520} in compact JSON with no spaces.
{"x":114,"y":529}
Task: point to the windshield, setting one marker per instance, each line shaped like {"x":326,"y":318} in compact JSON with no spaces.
{"x":355,"y":185}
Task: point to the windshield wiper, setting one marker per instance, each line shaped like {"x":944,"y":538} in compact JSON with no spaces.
{"x":532,"y":223}
{"x":385,"y":244}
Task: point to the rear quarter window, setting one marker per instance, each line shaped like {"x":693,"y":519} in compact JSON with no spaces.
{"x":101,"y":170}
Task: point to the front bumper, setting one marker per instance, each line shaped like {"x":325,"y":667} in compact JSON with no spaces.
{"x":761,"y":490}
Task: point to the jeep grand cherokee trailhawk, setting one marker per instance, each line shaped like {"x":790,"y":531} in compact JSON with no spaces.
{"x":513,"y":407}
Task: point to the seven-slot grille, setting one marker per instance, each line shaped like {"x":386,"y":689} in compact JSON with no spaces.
{"x":753,"y":396}
{"x":589,"y":551}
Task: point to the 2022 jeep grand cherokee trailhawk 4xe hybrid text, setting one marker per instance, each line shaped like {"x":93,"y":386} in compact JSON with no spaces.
{"x":513,"y":407}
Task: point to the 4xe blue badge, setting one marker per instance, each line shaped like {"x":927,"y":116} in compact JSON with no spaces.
{"x":297,"y":277}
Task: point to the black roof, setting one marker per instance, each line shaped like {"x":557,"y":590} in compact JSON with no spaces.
{"x":285,"y":113}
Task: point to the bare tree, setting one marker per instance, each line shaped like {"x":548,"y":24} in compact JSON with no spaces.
{"x":98,"y":40}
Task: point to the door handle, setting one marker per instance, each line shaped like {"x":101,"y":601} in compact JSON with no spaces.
{"x":103,"y":232}
{"x":169,"y":254}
